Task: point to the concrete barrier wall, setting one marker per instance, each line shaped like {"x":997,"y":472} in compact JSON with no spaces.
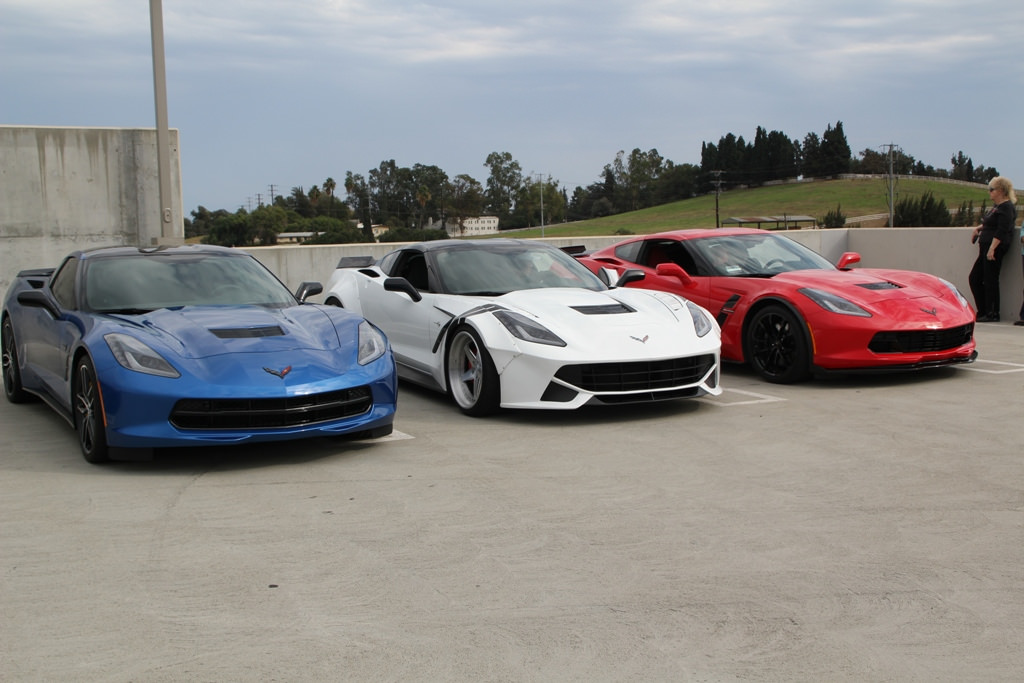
{"x":946,"y":252}
{"x":77,"y":188}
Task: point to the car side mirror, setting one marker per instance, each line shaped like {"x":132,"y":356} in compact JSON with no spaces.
{"x":676,"y":271}
{"x":308,"y":289}
{"x":630,"y":275}
{"x":848,"y":259}
{"x":400,"y":284}
{"x":35,"y":298}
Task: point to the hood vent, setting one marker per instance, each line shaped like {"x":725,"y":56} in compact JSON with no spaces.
{"x":249,"y":332}
{"x":880,"y":285}
{"x":604,"y":309}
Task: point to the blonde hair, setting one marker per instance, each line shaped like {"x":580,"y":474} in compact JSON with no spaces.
{"x":1005,"y":186}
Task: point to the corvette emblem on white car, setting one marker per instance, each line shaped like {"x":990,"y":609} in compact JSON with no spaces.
{"x":642,"y":340}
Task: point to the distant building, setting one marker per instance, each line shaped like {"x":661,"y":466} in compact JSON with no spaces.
{"x":295,"y":237}
{"x":473,"y":227}
{"x":376,"y":228}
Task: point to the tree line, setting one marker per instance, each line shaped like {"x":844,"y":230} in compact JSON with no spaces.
{"x":423,"y":202}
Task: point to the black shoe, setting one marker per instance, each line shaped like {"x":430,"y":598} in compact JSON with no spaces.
{"x":1019,"y":323}
{"x":988,"y":319}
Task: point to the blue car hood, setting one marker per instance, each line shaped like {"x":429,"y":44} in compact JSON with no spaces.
{"x":205,"y":331}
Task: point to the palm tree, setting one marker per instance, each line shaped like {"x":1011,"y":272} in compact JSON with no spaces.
{"x":329,"y":186}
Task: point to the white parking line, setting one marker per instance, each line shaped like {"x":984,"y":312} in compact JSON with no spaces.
{"x":393,"y":436}
{"x":725,"y":402}
{"x":1012,"y":367}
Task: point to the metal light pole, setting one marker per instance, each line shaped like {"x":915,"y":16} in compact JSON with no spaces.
{"x":163,"y":136}
{"x":540,"y":178}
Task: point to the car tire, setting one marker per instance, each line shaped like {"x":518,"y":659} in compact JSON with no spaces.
{"x":776,"y":345}
{"x":472,"y":380}
{"x":88,"y":413}
{"x":13,"y":389}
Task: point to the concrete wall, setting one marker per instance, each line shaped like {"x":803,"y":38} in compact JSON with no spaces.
{"x":946,"y":252}
{"x":77,"y":188}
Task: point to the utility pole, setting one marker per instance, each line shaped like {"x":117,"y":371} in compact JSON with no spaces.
{"x":163,"y":145}
{"x":540,"y":179}
{"x":891,"y":182}
{"x":718,"y":191}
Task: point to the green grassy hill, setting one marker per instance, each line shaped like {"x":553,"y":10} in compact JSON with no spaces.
{"x":854,"y":198}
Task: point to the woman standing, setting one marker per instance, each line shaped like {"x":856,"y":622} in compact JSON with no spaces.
{"x":994,"y":237}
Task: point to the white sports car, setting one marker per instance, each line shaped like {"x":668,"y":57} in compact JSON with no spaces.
{"x":520,"y":324}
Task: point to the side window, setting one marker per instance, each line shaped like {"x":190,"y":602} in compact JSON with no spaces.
{"x":414,"y":269}
{"x":62,"y":284}
{"x":630,"y":251}
{"x":388,"y":263}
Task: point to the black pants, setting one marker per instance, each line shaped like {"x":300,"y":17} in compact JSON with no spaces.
{"x":1022,"y":305}
{"x":984,"y":280}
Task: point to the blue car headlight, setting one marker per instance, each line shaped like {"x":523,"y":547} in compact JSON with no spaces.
{"x":136,"y":355}
{"x":523,"y":328}
{"x":833,"y":303}
{"x":372,"y":343}
{"x":701,"y":324}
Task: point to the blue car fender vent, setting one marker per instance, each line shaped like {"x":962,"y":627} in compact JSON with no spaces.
{"x":604,"y":309}
{"x":921,"y":341}
{"x":638,"y":375}
{"x":270,"y":413}
{"x":248,"y":332}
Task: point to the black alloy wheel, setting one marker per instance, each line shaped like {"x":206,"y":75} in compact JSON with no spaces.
{"x":88,"y":413}
{"x":13,"y":389}
{"x":777,"y":346}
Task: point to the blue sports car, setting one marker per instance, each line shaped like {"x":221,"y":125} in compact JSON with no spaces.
{"x":194,"y":345}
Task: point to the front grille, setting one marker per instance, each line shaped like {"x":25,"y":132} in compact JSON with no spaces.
{"x":270,"y":413}
{"x":638,"y":375}
{"x":921,"y":341}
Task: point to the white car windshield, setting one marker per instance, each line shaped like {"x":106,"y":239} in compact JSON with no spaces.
{"x":488,"y":270}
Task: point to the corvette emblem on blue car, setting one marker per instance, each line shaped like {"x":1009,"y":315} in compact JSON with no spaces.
{"x":279,"y":373}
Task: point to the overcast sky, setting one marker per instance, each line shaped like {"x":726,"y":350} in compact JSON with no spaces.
{"x":266,"y":92}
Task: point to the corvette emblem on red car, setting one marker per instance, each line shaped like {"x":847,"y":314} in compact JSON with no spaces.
{"x":279,"y":373}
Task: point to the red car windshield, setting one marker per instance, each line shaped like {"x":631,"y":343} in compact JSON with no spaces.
{"x":756,"y":255}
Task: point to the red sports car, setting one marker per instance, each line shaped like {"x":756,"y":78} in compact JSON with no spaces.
{"x":788,"y":312}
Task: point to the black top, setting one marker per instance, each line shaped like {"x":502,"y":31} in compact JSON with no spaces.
{"x":998,"y":224}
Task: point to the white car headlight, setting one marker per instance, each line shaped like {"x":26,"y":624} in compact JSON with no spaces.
{"x":523,"y":328}
{"x":834,"y":303}
{"x":701,"y":324}
{"x":136,"y":355}
{"x":372,"y":343}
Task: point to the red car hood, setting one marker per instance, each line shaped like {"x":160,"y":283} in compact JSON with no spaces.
{"x":870,"y":285}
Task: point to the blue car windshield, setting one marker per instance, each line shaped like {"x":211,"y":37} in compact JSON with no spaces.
{"x":148,"y":281}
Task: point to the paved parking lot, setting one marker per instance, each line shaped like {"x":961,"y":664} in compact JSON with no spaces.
{"x":864,"y":529}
